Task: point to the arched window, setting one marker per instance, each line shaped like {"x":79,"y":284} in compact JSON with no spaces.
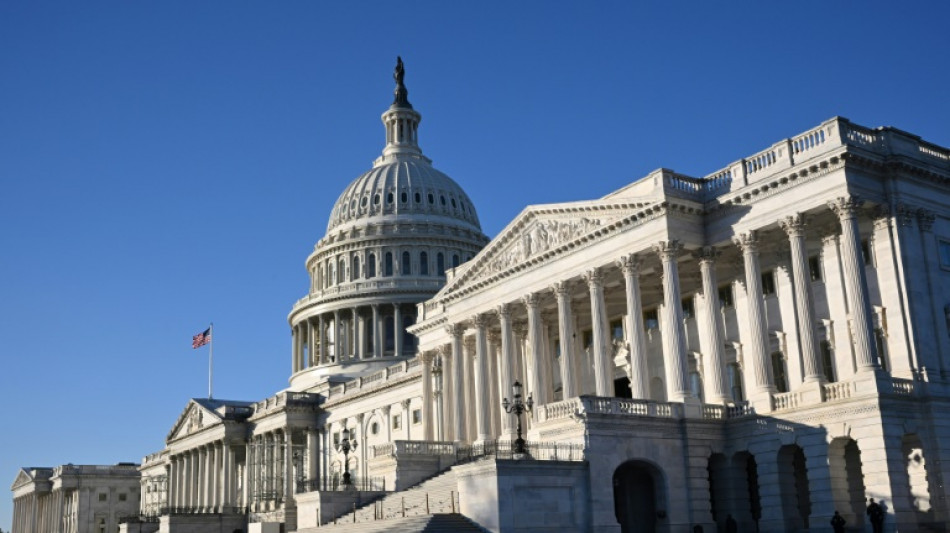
{"x":440,"y":264}
{"x":734,"y":373}
{"x":342,"y":270}
{"x":406,"y":264}
{"x":388,"y":264}
{"x":371,"y":266}
{"x":332,"y":268}
{"x":455,"y":260}
{"x":356,"y":267}
{"x":778,"y":372}
{"x":423,"y":264}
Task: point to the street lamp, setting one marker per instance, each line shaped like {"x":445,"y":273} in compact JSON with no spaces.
{"x":346,"y":445}
{"x":518,"y":407}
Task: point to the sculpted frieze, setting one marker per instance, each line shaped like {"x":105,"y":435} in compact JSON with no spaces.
{"x":538,"y":238}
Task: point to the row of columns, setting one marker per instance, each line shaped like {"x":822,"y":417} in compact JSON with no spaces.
{"x":203,"y":478}
{"x":455,"y":363}
{"x":270,"y":471}
{"x":51,"y":511}
{"x":311,"y":337}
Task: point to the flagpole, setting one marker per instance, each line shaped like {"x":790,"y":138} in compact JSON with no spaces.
{"x":211,"y":363}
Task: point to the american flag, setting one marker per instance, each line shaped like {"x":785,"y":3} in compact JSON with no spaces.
{"x":201,"y":339}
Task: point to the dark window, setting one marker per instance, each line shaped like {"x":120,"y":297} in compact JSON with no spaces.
{"x":431,"y":198}
{"x":866,"y":252}
{"x":376,"y":199}
{"x":443,"y":199}
{"x":356,"y":267}
{"x":103,"y":497}
{"x":123,"y":497}
{"x":688,"y":311}
{"x":389,"y":198}
{"x":417,"y":416}
{"x":814,"y":268}
{"x":423,"y":264}
{"x":768,"y":283}
{"x":406,"y":264}
{"x":725,"y":296}
{"x":453,"y":203}
{"x":388,"y":266}
{"x":943,"y":251}
{"x":827,"y":361}
{"x":371,"y":266}
{"x":735,"y":382}
{"x":650,"y":319}
{"x":418,"y":198}
{"x":404,"y":197}
{"x":616,"y":330}
{"x":778,"y":372}
{"x":363,"y":202}
{"x":455,"y":260}
{"x":342,"y":270}
{"x":440,"y":264}
{"x":880,"y":340}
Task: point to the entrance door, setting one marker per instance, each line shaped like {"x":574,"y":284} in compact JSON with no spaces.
{"x":635,"y":498}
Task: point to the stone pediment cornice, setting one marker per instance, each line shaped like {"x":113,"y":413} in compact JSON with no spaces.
{"x":541,"y":233}
{"x":22,"y":478}
{"x":193,"y":419}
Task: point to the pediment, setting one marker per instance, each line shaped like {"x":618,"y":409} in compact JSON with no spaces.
{"x":538,"y":232}
{"x":22,"y":478}
{"x":194,"y":418}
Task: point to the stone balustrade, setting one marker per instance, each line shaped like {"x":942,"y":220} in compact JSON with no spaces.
{"x":423,"y":284}
{"x":376,"y":379}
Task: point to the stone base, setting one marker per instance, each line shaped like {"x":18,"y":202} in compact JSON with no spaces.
{"x":201,"y":523}
{"x":316,"y":508}
{"x":264,"y":527}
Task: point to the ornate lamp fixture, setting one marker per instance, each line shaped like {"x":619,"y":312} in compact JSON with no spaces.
{"x":345,"y":446}
{"x":518,"y":407}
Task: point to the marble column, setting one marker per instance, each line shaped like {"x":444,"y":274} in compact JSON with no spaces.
{"x":377,"y":335}
{"x":457,"y":399}
{"x":313,"y":457}
{"x":494,"y":401}
{"x":471,"y":417}
{"x":506,"y":370}
{"x":535,"y":370}
{"x":288,"y":471}
{"x":636,"y":345}
{"x":565,"y":322}
{"x":925,"y":219}
{"x":227,"y":475}
{"x":794,"y":226}
{"x":481,"y":379}
{"x":357,"y":352}
{"x":758,"y":347}
{"x":856,"y":285}
{"x":397,"y":330}
{"x":674,"y":338}
{"x":337,"y":333}
{"x":294,"y":349}
{"x":603,"y":367}
{"x":323,"y":340}
{"x":713,"y":342}
{"x":448,"y":393}
{"x":427,"y":421}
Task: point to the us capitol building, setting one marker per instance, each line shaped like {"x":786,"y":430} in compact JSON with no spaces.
{"x":752,"y":349}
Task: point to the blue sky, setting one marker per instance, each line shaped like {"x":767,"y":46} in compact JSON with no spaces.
{"x":168,"y":164}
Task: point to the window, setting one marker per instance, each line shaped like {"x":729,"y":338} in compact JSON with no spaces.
{"x":616,"y":330}
{"x":356,"y":267}
{"x":650,"y":319}
{"x":418,"y":198}
{"x":440,"y":264}
{"x":342,"y":270}
{"x":735,"y":381}
{"x":388,"y":264}
{"x":336,"y":439}
{"x":376,"y":199}
{"x":371,"y":266}
{"x":406,"y":264}
{"x":397,"y":421}
{"x":404,"y":197}
{"x":880,"y":341}
{"x":101,"y":523}
{"x":725,"y":296}
{"x":374,"y":428}
{"x":423,"y":264}
{"x":778,"y":372}
{"x":417,"y":416}
{"x":696,"y":385}
{"x":827,"y":361}
{"x":443,"y":199}
{"x":363,"y":202}
{"x":455,"y":260}
{"x":431,"y":198}
{"x":768,"y":283}
{"x":389,"y":198}
{"x":866,"y":252}
{"x":688,"y":311}
{"x":944,"y":253}
{"x":814,"y":268}
{"x":453,"y":203}
{"x":123,"y":497}
{"x":103,"y":497}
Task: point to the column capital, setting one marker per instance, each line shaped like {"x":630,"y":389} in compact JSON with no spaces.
{"x":905,"y":214}
{"x":707,"y":255}
{"x":454,"y":330}
{"x":480,"y":321}
{"x":385,"y":409}
{"x":503,"y":311}
{"x":925,"y":218}
{"x":562,"y":289}
{"x":882,"y":216}
{"x":531,"y":300}
{"x":748,"y":242}
{"x":794,"y":225}
{"x":630,"y":265}
{"x":846,"y":207}
{"x":426,"y":357}
{"x":405,"y":406}
{"x":667,"y":250}
{"x":594,"y":278}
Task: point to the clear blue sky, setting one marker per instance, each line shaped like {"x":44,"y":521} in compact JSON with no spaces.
{"x":167,"y":164}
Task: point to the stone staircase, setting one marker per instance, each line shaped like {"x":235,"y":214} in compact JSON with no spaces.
{"x":435,"y":523}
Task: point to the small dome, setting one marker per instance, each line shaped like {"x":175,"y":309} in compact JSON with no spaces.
{"x":403,"y":187}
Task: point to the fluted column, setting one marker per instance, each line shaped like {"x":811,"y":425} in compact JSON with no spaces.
{"x":427,"y":399}
{"x":603,"y":367}
{"x":227,"y":475}
{"x":448,"y":394}
{"x":506,"y":370}
{"x":294,"y":349}
{"x":636,"y":344}
{"x":925,"y":219}
{"x":565,"y":322}
{"x":337,"y":333}
{"x":535,"y":375}
{"x":481,"y":378}
{"x":758,"y":347}
{"x":322,"y":340}
{"x":856,"y":285}
{"x":288,"y":478}
{"x":714,"y":348}
{"x":377,"y":335}
{"x":674,"y":338}
{"x":457,"y":401}
{"x":471,"y":419}
{"x":397,"y":330}
{"x":794,"y":226}
{"x":491,"y":385}
{"x":356,"y":352}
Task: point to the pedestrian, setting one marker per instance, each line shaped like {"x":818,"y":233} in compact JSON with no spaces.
{"x":876,"y":515}
{"x":838,"y":522}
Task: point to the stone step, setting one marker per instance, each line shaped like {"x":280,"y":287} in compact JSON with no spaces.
{"x":436,"y":523}
{"x":440,"y":491}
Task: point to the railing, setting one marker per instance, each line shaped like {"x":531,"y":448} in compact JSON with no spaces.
{"x":165,"y":511}
{"x":837,"y":391}
{"x":99,"y":470}
{"x":335,"y":484}
{"x":902,"y":387}
{"x":396,"y":370}
{"x":285,"y":398}
{"x":740,"y":410}
{"x":432,"y":284}
{"x":786,"y":400}
{"x":538,"y":451}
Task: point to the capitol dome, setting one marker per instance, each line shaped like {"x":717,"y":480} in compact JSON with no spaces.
{"x":393,"y":234}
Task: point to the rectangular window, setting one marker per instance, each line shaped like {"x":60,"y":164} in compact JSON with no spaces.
{"x":768,"y":283}
{"x":123,"y":497}
{"x":814,"y":268}
{"x":417,"y":416}
{"x":336,"y":439}
{"x":616,"y":329}
{"x":725,"y":296}
{"x":650,"y":319}
{"x":588,"y":339}
{"x":866,"y":252}
{"x":397,"y":421}
{"x":688,"y":311}
{"x":103,"y":497}
{"x":944,"y":251}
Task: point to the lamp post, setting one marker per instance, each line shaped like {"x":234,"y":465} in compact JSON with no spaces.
{"x":346,"y":445}
{"x":518,"y":407}
{"x":437,"y":392}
